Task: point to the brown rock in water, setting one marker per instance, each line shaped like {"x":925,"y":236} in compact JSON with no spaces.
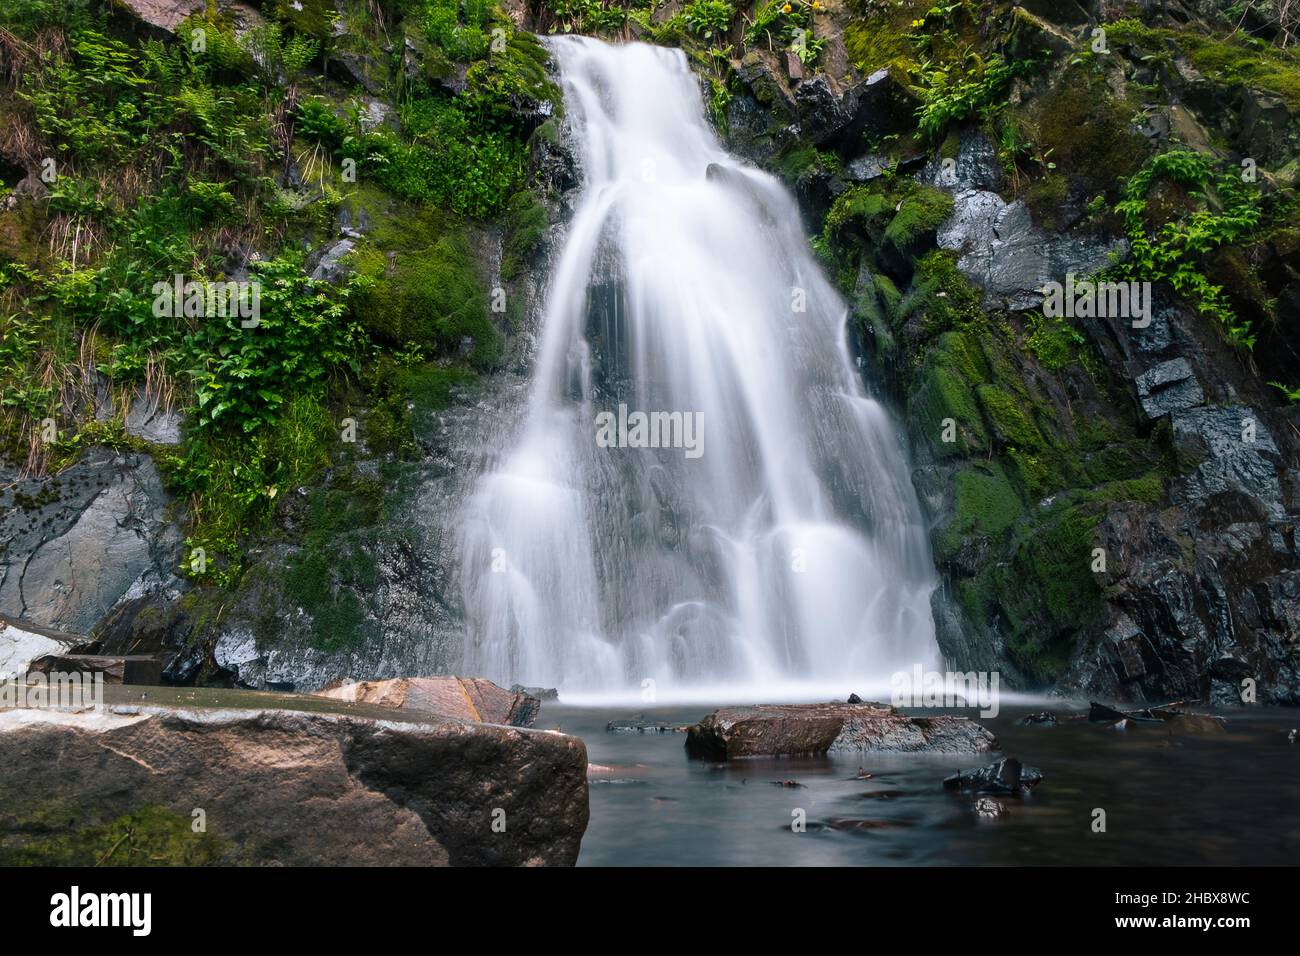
{"x":771,"y":730}
{"x":463,"y":698}
{"x":285,"y":787}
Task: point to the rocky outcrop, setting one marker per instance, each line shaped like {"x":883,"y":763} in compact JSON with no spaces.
{"x":21,"y":645}
{"x":461,"y":698}
{"x":151,"y":785}
{"x":76,"y":545}
{"x":1113,"y":507}
{"x":772,"y":730}
{"x":167,"y":15}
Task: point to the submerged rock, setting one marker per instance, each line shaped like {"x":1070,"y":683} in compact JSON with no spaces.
{"x":1008,"y":776}
{"x":771,"y":730}
{"x":989,"y":808}
{"x":462,"y":698}
{"x":285,"y":787}
{"x":1171,"y":716}
{"x":1044,"y":718}
{"x":639,"y":724}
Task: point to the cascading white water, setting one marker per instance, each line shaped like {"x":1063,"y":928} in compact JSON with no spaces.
{"x":791,"y":554}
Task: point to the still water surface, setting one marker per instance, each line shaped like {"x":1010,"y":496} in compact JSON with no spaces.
{"x":1230,"y":799}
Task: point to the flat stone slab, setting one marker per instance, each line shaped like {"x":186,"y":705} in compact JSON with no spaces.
{"x":461,"y":698}
{"x":282,"y":779}
{"x":790,"y":730}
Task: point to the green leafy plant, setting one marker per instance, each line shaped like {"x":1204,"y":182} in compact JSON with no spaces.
{"x":1224,"y":211}
{"x":707,"y":18}
{"x":975,"y":89}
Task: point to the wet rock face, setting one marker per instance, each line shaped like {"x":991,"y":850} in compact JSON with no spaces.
{"x":278,"y":787}
{"x":997,"y":244}
{"x":77,"y":545}
{"x":772,"y":730}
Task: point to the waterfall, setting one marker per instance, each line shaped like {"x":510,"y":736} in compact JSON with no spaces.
{"x":778,"y":550}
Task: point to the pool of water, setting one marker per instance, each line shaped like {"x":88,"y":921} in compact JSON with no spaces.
{"x":1228,"y":799}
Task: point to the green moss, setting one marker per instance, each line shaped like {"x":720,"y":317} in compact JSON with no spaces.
{"x":1053,"y":341}
{"x":944,"y":394}
{"x":1007,"y":418}
{"x":799,"y":159}
{"x":1149,"y":489}
{"x":151,"y":836}
{"x":1051,"y":593}
{"x":526,"y":222}
{"x":428,"y":389}
{"x":313,"y":17}
{"x":1045,"y":197}
{"x":947,"y":297}
{"x":985,"y":504}
{"x":960,"y":350}
{"x":1087,"y":133}
{"x":434,"y":298}
{"x":857,"y":213}
{"x":336,"y":567}
{"x":920,"y":214}
{"x":881,"y":36}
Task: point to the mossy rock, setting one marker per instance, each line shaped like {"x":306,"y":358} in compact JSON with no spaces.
{"x":985,"y":505}
{"x":1090,"y":136}
{"x":20,"y":234}
{"x":1057,"y":595}
{"x":1010,"y":424}
{"x":917,"y":220}
{"x":433,"y":297}
{"x":945,"y":395}
{"x":526,"y":223}
{"x":315,"y":18}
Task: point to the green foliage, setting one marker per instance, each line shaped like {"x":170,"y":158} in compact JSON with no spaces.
{"x":858,"y":213}
{"x":1053,"y":341}
{"x":1292,"y":394}
{"x":497,"y":87}
{"x":775,"y":21}
{"x":274,"y":55}
{"x":1224,"y":211}
{"x":449,"y":159}
{"x":974,"y":89}
{"x":93,"y":103}
{"x":234,"y":481}
{"x":460,"y":39}
{"x":595,"y":16}
{"x":245,"y":375}
{"x":709,"y":17}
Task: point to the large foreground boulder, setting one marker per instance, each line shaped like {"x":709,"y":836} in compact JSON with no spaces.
{"x":267,"y":786}
{"x":461,"y":698}
{"x":772,"y":730}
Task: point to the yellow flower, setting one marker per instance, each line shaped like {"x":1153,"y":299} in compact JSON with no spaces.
{"x":787,"y":8}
